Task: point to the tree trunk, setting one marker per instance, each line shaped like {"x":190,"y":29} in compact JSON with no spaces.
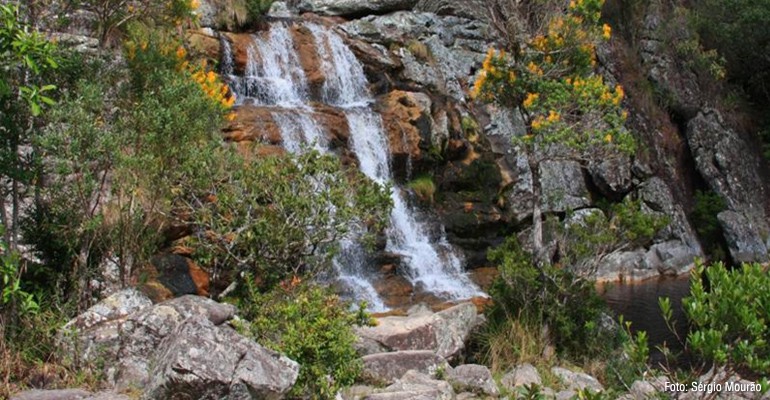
{"x":538,"y":250}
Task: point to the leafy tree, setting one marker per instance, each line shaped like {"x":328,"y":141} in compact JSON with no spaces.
{"x":570,"y":112}
{"x":25,"y":56}
{"x":280,"y":217}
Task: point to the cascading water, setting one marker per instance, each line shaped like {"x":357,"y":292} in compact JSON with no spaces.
{"x":274,"y":78}
{"x":431,"y":263}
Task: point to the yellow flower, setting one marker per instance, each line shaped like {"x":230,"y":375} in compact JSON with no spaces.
{"x":537,"y":123}
{"x":608,"y":138}
{"x":530,"y":100}
{"x":181,"y":52}
{"x":553,"y":116}
{"x":194,"y":4}
{"x":606,"y":32}
{"x":211,"y":77}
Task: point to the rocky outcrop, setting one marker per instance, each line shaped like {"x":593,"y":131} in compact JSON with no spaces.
{"x":743,"y":240}
{"x":473,"y":378}
{"x":354,"y":8}
{"x":180,"y":345}
{"x":202,"y":360}
{"x":67,"y":394}
{"x":443,"y":333}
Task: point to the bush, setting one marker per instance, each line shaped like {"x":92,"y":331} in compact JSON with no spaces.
{"x":729,"y":316}
{"x":569,"y":309}
{"x":257,"y":9}
{"x":704,"y":220}
{"x":311,"y":326}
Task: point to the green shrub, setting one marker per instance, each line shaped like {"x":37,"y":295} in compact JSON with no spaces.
{"x":729,"y":317}
{"x":311,"y":326}
{"x":257,"y":9}
{"x":704,"y":220}
{"x":424,"y":187}
{"x":568,"y":308}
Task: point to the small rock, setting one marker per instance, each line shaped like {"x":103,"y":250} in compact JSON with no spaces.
{"x":473,"y":378}
{"x":577,"y":380}
{"x":522,"y":375}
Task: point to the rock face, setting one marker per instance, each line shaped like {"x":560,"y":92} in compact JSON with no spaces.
{"x":180,"y":345}
{"x":443,"y":333}
{"x":473,"y":378}
{"x":743,"y":240}
{"x":202,"y":360}
{"x":354,"y":8}
{"x":522,"y":375}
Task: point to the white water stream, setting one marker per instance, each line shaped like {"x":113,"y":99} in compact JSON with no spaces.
{"x":274,"y":77}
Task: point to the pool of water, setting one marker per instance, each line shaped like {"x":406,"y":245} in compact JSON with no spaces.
{"x":638,"y":303}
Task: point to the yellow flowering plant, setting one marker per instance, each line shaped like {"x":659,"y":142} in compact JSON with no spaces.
{"x":564,"y":102}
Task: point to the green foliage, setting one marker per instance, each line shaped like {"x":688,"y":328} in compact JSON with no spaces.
{"x":729,"y":319}
{"x":284,"y":216}
{"x":552,"y":297}
{"x":704,"y":220}
{"x":15,"y":301}
{"x":257,"y":9}
{"x":424,"y":187}
{"x":738,"y":31}
{"x":311,"y":326}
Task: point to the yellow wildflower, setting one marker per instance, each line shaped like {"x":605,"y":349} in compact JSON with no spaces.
{"x":181,"y":52}
{"x":606,"y":32}
{"x":537,"y":123}
{"x":608,"y":138}
{"x":553,"y":116}
{"x":530,"y":100}
{"x":211,"y":77}
{"x":194,"y":4}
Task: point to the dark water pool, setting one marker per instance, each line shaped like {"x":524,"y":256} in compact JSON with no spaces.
{"x":638,"y":303}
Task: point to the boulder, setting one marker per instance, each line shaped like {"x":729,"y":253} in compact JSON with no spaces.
{"x":744,"y":243}
{"x":732,"y":170}
{"x":522,"y":375}
{"x":116,"y":306}
{"x":563,"y":185}
{"x":202,"y":360}
{"x":389,"y":367}
{"x":577,"y":380}
{"x":354,"y":8}
{"x":62,"y":394}
{"x":127,"y":344}
{"x":407,"y":122}
{"x":612,"y":176}
{"x":473,"y":378}
{"x":444,"y":332}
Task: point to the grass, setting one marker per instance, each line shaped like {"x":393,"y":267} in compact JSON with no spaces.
{"x":424,"y":187}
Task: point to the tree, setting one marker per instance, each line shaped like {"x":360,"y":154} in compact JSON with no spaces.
{"x":25,"y":55}
{"x":570,"y":112}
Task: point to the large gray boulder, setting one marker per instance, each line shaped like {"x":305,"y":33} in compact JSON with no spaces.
{"x":202,"y":360}
{"x":354,"y":8}
{"x":743,"y":240}
{"x":444,"y":332}
{"x":389,"y":367}
{"x":180,"y":345}
{"x":732,"y":170}
{"x":415,"y":385}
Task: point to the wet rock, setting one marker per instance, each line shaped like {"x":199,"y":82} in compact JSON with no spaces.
{"x":522,"y":375}
{"x":307,"y":53}
{"x":577,"y":380}
{"x":202,"y":360}
{"x":444,"y":332}
{"x":407,"y":121}
{"x":626,"y":266}
{"x":744,"y":243}
{"x":564,"y":187}
{"x":389,"y":367}
{"x":473,"y":378}
{"x":240,"y":45}
{"x":657,"y":199}
{"x":253,"y":124}
{"x":204,"y":41}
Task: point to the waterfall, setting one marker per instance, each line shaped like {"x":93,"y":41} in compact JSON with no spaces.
{"x":432,"y":262}
{"x":274,"y":78}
